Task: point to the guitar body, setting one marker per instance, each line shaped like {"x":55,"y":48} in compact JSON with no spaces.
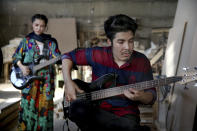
{"x":19,"y":81}
{"x":103,"y":81}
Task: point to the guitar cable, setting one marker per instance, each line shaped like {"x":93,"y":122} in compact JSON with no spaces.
{"x":66,"y":122}
{"x":68,"y":129}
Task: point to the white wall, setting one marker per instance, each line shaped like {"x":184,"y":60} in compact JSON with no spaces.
{"x":186,"y":12}
{"x":183,"y":102}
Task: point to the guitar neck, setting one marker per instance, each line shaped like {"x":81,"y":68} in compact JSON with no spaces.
{"x":105,"y":93}
{"x":46,"y":63}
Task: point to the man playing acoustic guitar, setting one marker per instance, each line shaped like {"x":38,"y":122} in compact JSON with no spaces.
{"x":120,"y":112}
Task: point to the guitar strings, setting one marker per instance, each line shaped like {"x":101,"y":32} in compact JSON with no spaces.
{"x":122,"y":88}
{"x":99,"y":92}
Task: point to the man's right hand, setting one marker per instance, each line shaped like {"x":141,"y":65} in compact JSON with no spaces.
{"x":70,"y":87}
{"x":70,"y":90}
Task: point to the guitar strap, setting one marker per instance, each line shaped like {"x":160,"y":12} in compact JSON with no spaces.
{"x":45,"y":49}
{"x":44,"y":55}
{"x":46,"y":52}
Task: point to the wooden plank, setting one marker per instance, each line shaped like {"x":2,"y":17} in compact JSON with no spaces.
{"x":7,"y":67}
{"x":9,"y":114}
{"x":64,"y":30}
{"x":11,"y":126}
{"x":6,"y":72}
{"x":6,"y":111}
{"x":157,"y":57}
{"x":9,"y":118}
{"x":160,"y":30}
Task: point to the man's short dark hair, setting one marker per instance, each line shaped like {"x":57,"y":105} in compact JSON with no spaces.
{"x":119,"y":23}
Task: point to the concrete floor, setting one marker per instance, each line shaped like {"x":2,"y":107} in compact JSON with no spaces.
{"x":59,"y":121}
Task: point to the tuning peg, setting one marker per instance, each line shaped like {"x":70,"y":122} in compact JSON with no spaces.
{"x":185,"y":68}
{"x":185,"y":87}
{"x":186,"y":75}
{"x":193,"y":78}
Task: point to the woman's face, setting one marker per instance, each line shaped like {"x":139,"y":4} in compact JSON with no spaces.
{"x":38,"y":26}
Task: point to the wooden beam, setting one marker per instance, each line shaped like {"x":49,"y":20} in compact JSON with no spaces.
{"x":160,"y":30}
{"x":157,"y":57}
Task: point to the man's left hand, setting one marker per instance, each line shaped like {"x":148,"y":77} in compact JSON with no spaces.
{"x":139,"y":95}
{"x":134,"y":94}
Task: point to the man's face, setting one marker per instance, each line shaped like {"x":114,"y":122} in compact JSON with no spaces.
{"x":122,"y":46}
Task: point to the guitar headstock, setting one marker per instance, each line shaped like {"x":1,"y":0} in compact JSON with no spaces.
{"x":189,"y":74}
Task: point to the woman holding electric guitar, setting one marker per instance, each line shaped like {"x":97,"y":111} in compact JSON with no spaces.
{"x":36,"y":109}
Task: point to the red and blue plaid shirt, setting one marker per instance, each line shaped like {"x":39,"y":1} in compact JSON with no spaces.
{"x":137,"y":69}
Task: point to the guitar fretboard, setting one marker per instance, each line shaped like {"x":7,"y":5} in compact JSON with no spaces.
{"x":46,"y":63}
{"x":105,"y":93}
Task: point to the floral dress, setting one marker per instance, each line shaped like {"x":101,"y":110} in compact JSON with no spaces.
{"x":36,"y":108}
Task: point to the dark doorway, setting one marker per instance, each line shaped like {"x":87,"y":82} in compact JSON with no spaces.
{"x":195,"y":121}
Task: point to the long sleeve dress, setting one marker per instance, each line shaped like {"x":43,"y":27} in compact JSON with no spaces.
{"x":36,"y":108}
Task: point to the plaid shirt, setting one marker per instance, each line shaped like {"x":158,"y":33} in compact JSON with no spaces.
{"x":137,"y":69}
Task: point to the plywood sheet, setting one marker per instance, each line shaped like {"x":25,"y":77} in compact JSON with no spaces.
{"x":64,"y":30}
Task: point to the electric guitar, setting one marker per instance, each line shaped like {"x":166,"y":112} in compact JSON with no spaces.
{"x":94,"y":90}
{"x":20,"y":81}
